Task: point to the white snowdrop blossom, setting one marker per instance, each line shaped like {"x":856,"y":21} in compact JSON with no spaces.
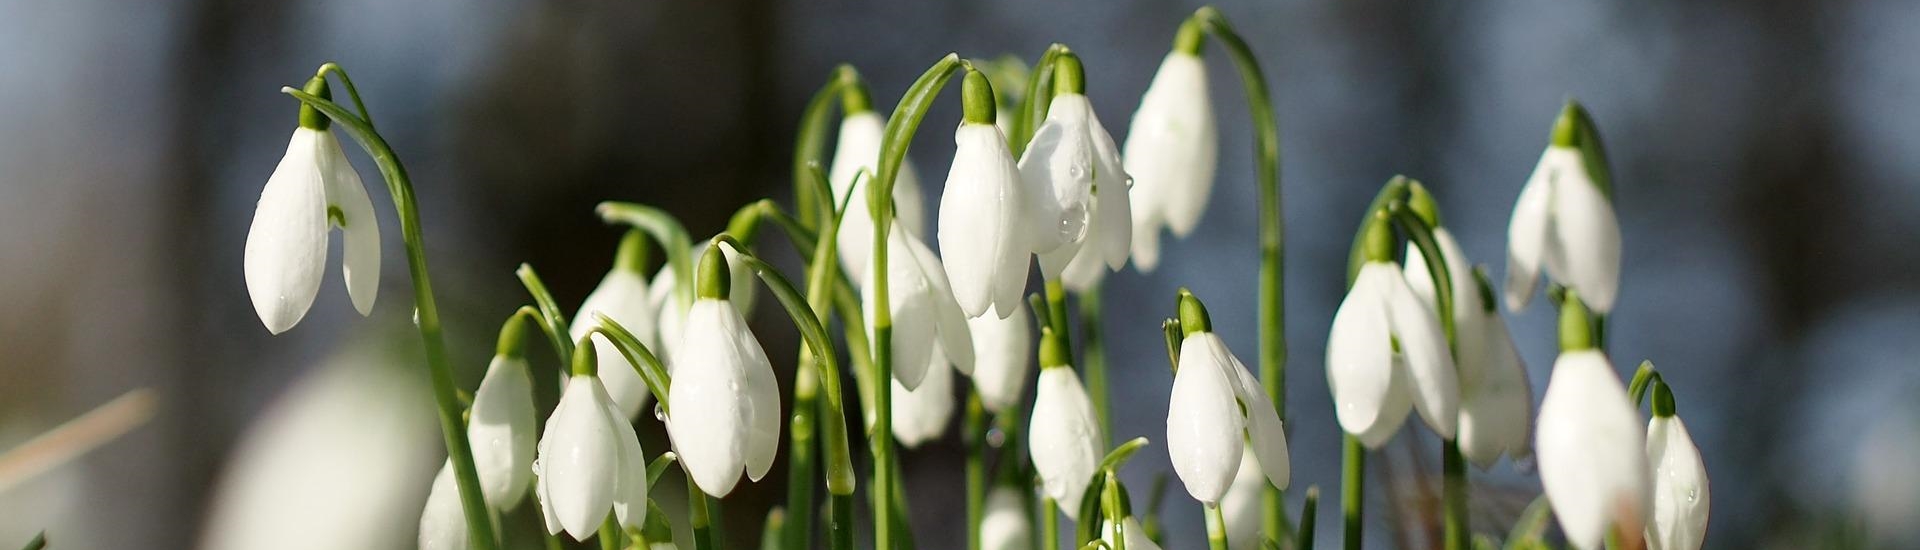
{"x":1002,"y":358}
{"x":922,"y":414}
{"x":1075,"y":165}
{"x":443,"y":525}
{"x":859,"y":149}
{"x":982,"y":233}
{"x":501,"y":431}
{"x":1592,"y":453}
{"x":1217,"y":408}
{"x":1005,"y":525}
{"x":312,"y":190}
{"x":1172,"y":150}
{"x":1136,"y":535}
{"x":1064,"y":437}
{"x":1373,"y":384}
{"x":589,"y":463}
{"x":1681,"y":498}
{"x":1496,"y":399}
{"x":925,"y":316}
{"x":1562,"y":221}
{"x":624,"y":297}
{"x":724,"y":402}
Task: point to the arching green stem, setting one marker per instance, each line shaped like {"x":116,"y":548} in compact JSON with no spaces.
{"x":1453,"y":464}
{"x":809,"y":151}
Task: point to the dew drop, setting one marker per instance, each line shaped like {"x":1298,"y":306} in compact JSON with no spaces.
{"x":659,"y":412}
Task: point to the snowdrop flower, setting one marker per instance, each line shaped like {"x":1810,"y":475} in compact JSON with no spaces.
{"x":1172,"y":148}
{"x":1495,"y":396}
{"x":500,"y":428}
{"x":1075,"y":165}
{"x":1243,"y":506}
{"x":724,"y":406}
{"x":1591,"y":450}
{"x":312,"y":190}
{"x":1564,"y":221}
{"x":1005,"y":525}
{"x":981,"y":212}
{"x":1680,"y":495}
{"x":1064,"y":435}
{"x":1217,"y":408}
{"x":443,"y":525}
{"x":922,"y":414}
{"x":927,"y":324}
{"x":589,"y":459}
{"x":623,"y":296}
{"x":1374,"y":384}
{"x":858,"y":149}
{"x":1136,"y":535}
{"x":673,"y":317}
{"x":1002,"y":357}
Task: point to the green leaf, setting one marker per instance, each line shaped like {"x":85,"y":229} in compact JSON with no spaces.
{"x":651,"y":370}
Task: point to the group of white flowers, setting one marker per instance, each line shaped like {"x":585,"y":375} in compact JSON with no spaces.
{"x":1082,"y":206}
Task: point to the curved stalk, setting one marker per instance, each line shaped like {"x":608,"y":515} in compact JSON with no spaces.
{"x":427,"y":315}
{"x":1454,"y":466}
{"x":1094,"y":362}
{"x":809,"y":150}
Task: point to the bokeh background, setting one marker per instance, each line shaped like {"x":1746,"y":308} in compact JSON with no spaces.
{"x":1764,"y":155}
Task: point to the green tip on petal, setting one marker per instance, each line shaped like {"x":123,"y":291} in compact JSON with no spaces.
{"x":1190,"y":38}
{"x":1193,"y":314}
{"x":976,"y":97}
{"x":1576,"y":324}
{"x":1566,"y":128}
{"x":512,"y":340}
{"x":310,"y":117}
{"x":1053,"y":349}
{"x":1068,"y":76}
{"x":585,"y":361}
{"x":1378,"y":242}
{"x":715,"y":280}
{"x":1421,"y":202}
{"x":1663,"y":406}
{"x":854,"y":98}
{"x":632,"y":255}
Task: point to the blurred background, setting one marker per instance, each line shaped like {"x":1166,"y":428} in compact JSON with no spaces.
{"x":1763,"y":152}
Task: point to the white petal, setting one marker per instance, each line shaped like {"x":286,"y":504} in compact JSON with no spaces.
{"x":1058,"y":167}
{"x":1113,"y":196}
{"x":542,"y":485}
{"x":1064,"y":438}
{"x":922,"y":414}
{"x":443,"y":525}
{"x":763,"y":400}
{"x":911,"y":302}
{"x":1173,"y":144}
{"x":579,"y":459}
{"x":1369,"y":395}
{"x":950,"y":323}
{"x":1527,"y":234}
{"x":630,"y":486}
{"x":360,"y":252}
{"x":623,"y":296}
{"x":1146,"y":232}
{"x":1136,"y":535}
{"x":1681,"y":499}
{"x":859,"y":149}
{"x":1003,"y":358}
{"x":501,"y":431}
{"x":1592,"y":459}
{"x":1244,"y":506}
{"x":1584,"y":252}
{"x":1265,"y":433}
{"x":710,"y":418}
{"x":1005,"y":525}
{"x":1436,"y":390}
{"x":981,"y":235}
{"x":1204,"y":422}
{"x":287,"y":244}
{"x":1494,"y":410}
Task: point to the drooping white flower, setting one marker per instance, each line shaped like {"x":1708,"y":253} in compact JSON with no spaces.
{"x":1591,"y":450}
{"x":1002,"y":358}
{"x":1244,"y":507}
{"x":1172,"y":149}
{"x":589,"y":463}
{"x":925,"y":315}
{"x":1373,"y":384}
{"x":1136,"y":535}
{"x":1681,"y":499}
{"x":1005,"y":525}
{"x":1217,"y":408}
{"x":923,"y":414}
{"x":1562,"y":221}
{"x":501,"y":431}
{"x":622,"y":296}
{"x":1064,"y":437}
{"x":312,"y":190}
{"x":1496,"y":399}
{"x":983,"y":233}
{"x":724,"y":402}
{"x":672,"y":318}
{"x":443,"y":525}
{"x":1090,"y":207}
{"x":859,"y":149}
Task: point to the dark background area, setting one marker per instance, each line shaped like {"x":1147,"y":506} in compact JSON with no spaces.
{"x":1763,"y":152}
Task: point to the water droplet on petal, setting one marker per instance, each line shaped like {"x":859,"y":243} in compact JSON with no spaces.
{"x":659,"y":412}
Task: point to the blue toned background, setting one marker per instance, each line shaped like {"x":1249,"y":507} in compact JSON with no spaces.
{"x":1764,"y":157}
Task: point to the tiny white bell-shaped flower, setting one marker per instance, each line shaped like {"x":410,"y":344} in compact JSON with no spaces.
{"x":724,"y":405}
{"x":312,"y":190}
{"x":501,"y":430}
{"x":1172,"y":149}
{"x":1002,"y":358}
{"x":1005,"y":524}
{"x":1217,"y":408}
{"x":1064,"y":435}
{"x":1386,"y":353}
{"x":983,"y":233}
{"x":1592,"y":453}
{"x":1082,"y":223}
{"x":1136,"y":535}
{"x":1681,"y":499}
{"x":858,"y":149}
{"x":1564,"y":222}
{"x":1496,"y":399}
{"x":624,"y":297}
{"x":673,"y":317}
{"x":443,"y":525}
{"x":922,"y":414}
{"x":925,"y":316}
{"x":589,"y":460}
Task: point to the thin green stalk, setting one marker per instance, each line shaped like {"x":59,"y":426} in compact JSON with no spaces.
{"x":1216,"y":527}
{"x":698,"y":516}
{"x":796,"y":534}
{"x":1454,"y":467}
{"x":809,"y":146}
{"x":1353,"y":479}
{"x":1272,"y":295}
{"x":453,"y":430}
{"x":1057,"y":316}
{"x":1307,"y":513}
{"x":610,"y":534}
{"x":1049,"y":524}
{"x":1454,"y":484}
{"x":840,"y":522}
{"x":1034,"y":104}
{"x":1094,"y":361}
{"x":973,"y":437}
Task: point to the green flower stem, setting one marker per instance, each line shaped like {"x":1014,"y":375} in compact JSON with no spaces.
{"x":1353,"y":478}
{"x":1454,"y":466}
{"x":427,"y":315}
{"x":698,"y":515}
{"x":1272,"y":295}
{"x":809,"y":147}
{"x":1039,"y":95}
{"x":893,"y":151}
{"x":610,"y":534}
{"x":1307,"y":512}
{"x":1094,"y":361}
{"x":1454,"y":491}
{"x":1216,"y":527}
{"x":1057,"y":317}
{"x":553,"y":322}
{"x":1637,"y":387}
{"x":1049,"y":524}
{"x":672,"y":236}
{"x":973,"y":439}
